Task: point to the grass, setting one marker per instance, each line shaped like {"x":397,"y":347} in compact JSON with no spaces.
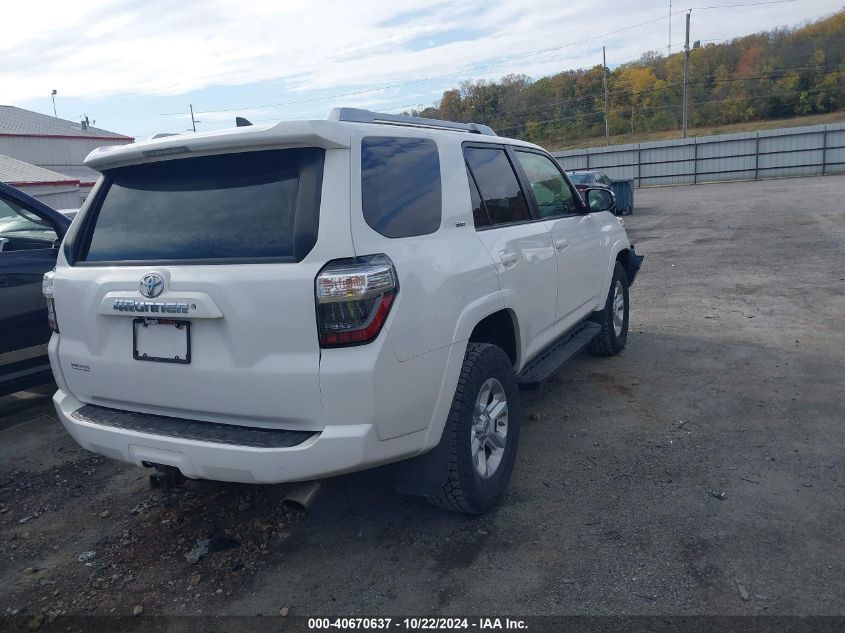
{"x":664,"y":135}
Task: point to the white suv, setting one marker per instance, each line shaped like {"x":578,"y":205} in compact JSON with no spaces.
{"x":283,"y":303}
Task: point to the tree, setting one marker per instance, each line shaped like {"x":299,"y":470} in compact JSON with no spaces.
{"x":776,"y":74}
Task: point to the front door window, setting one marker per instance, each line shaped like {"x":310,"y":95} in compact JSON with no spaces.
{"x":550,"y":189}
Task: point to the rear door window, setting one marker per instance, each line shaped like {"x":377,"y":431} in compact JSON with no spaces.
{"x":252,"y":205}
{"x":400,"y":185}
{"x":497,"y":182}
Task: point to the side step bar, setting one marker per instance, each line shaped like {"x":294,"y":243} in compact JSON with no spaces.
{"x":552,"y":357}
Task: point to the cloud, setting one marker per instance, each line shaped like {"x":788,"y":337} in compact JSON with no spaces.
{"x":101,"y":49}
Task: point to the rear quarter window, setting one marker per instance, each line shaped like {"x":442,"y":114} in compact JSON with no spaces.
{"x":253,"y":205}
{"x":400,"y":185}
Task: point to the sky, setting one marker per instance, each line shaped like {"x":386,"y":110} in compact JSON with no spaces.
{"x":136,"y":66}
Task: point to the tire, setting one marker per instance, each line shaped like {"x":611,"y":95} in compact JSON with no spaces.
{"x":614,"y":331}
{"x":629,"y":210}
{"x":466,"y":489}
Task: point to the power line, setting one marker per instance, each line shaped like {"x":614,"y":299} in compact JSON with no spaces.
{"x":481,"y":67}
{"x":306,"y":116}
{"x":627,"y":111}
{"x":774,"y":74}
{"x":779,"y":74}
{"x":484,"y":66}
{"x":544,"y":106}
{"x":442,"y":76}
{"x":730,"y":6}
{"x":474,"y":68}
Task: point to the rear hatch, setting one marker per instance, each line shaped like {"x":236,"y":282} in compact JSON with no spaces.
{"x":190,"y":286}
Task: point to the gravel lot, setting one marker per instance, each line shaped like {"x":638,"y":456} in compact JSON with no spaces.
{"x":701,"y":472}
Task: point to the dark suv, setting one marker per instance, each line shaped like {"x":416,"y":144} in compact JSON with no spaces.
{"x":30,"y":234}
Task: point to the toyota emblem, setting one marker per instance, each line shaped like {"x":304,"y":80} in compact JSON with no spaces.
{"x":152,"y":285}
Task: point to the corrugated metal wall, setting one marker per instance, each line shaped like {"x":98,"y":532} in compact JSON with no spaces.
{"x":51,"y":151}
{"x":799,"y":151}
{"x":57,"y":196}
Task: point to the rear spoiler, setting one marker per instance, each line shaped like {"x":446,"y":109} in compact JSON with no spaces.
{"x":325,"y":134}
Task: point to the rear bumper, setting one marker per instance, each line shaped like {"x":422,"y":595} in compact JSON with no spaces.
{"x":336,"y":450}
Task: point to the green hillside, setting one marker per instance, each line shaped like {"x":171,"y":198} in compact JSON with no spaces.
{"x":789,"y":72}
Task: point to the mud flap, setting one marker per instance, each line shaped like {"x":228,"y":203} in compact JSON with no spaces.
{"x":425,"y":474}
{"x":632,"y":264}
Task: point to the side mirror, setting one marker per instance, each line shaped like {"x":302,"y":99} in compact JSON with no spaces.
{"x":599,"y":200}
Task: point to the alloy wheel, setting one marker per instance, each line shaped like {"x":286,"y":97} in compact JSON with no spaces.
{"x":489,"y":428}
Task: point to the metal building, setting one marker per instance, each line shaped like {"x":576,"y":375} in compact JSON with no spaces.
{"x":51,"y":187}
{"x":54,"y":144}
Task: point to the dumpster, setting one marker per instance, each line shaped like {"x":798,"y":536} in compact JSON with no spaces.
{"x":624,"y":191}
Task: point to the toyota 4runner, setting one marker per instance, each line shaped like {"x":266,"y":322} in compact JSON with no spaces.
{"x":288,"y":302}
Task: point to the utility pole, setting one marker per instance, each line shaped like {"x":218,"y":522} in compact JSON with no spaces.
{"x":686,"y":68}
{"x":194,"y":121}
{"x":53,"y":94}
{"x":670,"y":28}
{"x":604,"y":76}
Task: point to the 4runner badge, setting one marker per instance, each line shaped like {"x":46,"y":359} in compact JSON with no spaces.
{"x":128,"y":305}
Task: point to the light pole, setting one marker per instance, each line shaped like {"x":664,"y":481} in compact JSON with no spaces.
{"x":53,"y":95}
{"x":604,"y":78}
{"x":670,"y":28}
{"x":686,"y":67}
{"x":695,"y":45}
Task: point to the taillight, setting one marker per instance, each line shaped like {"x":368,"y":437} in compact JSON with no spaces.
{"x":47,"y":289}
{"x":353,"y":299}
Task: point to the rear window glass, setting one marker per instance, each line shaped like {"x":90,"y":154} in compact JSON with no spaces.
{"x":233,"y":206}
{"x":400,"y":185}
{"x":579,"y":179}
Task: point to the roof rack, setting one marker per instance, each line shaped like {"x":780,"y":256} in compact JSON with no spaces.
{"x":357,"y":115}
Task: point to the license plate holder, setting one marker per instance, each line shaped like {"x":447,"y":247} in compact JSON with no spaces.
{"x":161,"y":340}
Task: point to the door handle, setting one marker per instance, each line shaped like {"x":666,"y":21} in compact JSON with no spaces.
{"x":561,"y":244}
{"x":509,"y":260}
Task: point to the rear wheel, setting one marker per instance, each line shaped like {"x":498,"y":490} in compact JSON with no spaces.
{"x":483,"y":431}
{"x":613,"y":318}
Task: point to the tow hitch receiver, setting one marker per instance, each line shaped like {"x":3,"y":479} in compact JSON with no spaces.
{"x":166,"y":478}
